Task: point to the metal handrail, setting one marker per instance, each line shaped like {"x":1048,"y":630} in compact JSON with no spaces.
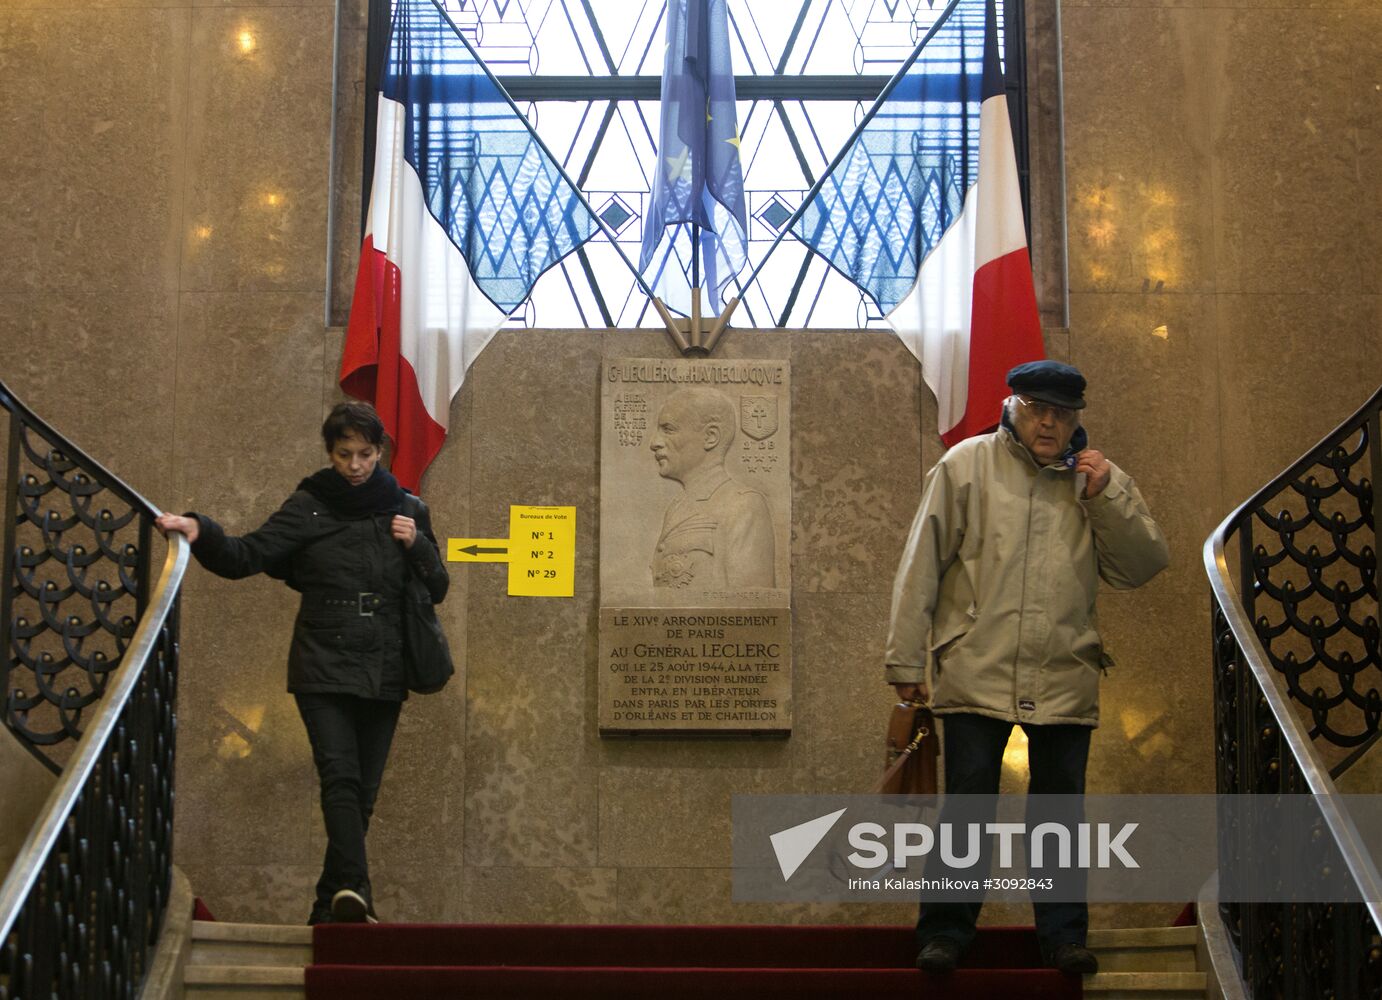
{"x":21,"y":416}
{"x":1312,"y":768}
{"x":1314,"y":774}
{"x":9,"y":401}
{"x":84,"y":901}
{"x":1286,"y":477}
{"x":44,"y":834}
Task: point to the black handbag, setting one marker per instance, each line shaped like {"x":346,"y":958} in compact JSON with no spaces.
{"x":426,"y":656}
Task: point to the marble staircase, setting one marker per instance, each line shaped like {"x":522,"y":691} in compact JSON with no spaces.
{"x":251,"y":961}
{"x":243,"y":961}
{"x":1145,"y":963}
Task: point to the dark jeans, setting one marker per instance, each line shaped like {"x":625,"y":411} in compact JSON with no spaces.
{"x":1056,"y":757}
{"x":350,"y":743}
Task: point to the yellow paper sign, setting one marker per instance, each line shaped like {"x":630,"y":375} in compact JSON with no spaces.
{"x":542,"y":551}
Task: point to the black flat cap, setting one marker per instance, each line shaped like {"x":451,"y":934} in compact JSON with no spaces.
{"x":1049,"y":381}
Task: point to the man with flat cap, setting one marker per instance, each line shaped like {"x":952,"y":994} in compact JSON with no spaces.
{"x":995,"y":596}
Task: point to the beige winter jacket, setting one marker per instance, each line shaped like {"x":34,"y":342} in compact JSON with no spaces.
{"x":998,"y":582}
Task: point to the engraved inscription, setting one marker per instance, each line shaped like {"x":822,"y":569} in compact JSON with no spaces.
{"x":630,"y":413}
{"x":695,"y":669}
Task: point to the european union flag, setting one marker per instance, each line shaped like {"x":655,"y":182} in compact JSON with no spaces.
{"x":698,"y":186}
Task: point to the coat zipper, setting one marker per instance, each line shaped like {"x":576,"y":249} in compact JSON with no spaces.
{"x":1021,"y":617}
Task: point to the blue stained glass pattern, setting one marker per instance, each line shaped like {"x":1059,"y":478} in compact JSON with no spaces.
{"x":487,"y":180}
{"x":615,"y":214}
{"x":775,"y":214}
{"x":608,"y":145}
{"x":903,"y":180}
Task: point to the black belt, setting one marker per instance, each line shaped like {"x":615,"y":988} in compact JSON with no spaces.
{"x":361,"y":603}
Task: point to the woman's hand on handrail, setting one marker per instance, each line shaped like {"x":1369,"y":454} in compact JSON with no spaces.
{"x":176,"y":522}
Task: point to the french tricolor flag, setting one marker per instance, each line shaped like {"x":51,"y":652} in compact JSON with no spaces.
{"x":972,"y":314}
{"x":467,"y":209}
{"x":417,"y":320}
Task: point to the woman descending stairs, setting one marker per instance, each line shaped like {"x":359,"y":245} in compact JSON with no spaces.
{"x":419,"y":961}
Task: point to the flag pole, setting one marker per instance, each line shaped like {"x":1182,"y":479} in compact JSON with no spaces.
{"x":669,"y":321}
{"x":721,"y":321}
{"x":677,"y":337}
{"x":839,"y":157}
{"x":695,"y":285}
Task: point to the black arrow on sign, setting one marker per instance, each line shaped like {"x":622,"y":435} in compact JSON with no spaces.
{"x":477,"y":550}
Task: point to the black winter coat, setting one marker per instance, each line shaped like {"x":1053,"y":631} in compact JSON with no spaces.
{"x":323,"y":554}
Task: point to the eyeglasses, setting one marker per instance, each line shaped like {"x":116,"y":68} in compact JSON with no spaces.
{"x":1040,"y":411}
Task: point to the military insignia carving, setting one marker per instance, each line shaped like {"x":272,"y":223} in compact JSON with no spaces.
{"x":758,"y":416}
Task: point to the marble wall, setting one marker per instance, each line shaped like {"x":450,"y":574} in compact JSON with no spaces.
{"x":167,"y":174}
{"x":24,"y":787}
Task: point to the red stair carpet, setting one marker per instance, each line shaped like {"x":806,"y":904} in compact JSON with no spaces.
{"x":474,"y":961}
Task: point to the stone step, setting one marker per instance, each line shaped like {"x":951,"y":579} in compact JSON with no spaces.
{"x":244,"y":982}
{"x":239,"y":961}
{"x":259,"y":945}
{"x":1146,"y":985}
{"x":1145,"y":949}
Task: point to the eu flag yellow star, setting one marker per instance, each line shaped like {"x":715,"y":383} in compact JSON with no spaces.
{"x":676,"y":166}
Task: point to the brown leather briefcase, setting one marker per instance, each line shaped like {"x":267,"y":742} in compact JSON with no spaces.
{"x":913,"y":748}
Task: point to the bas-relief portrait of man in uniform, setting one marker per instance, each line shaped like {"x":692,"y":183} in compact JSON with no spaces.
{"x":718,"y":533}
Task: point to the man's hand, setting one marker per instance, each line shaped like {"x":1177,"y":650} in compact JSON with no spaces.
{"x":404,"y":529}
{"x":1096,"y":469}
{"x":175,"y":522}
{"x":911,"y":692}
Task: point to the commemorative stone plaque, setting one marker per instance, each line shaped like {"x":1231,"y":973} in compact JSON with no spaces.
{"x":695,"y":558}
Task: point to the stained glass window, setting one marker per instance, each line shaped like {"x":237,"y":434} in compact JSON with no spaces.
{"x":587,"y":75}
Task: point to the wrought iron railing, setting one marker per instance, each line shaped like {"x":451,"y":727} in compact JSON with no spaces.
{"x":90,"y":670}
{"x":1297,"y":667}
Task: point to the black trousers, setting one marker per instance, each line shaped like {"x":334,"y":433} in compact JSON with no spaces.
{"x":1056,"y":756}
{"x":350,"y":739}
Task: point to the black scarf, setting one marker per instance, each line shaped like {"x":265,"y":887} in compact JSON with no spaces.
{"x":379,"y":494}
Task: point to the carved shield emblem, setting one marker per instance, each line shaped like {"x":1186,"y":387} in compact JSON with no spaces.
{"x":758,"y":416}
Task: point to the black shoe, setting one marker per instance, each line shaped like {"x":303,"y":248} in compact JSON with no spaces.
{"x":349,"y":907}
{"x":1074,"y":960}
{"x":939,"y":955}
{"x":321,"y":914}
